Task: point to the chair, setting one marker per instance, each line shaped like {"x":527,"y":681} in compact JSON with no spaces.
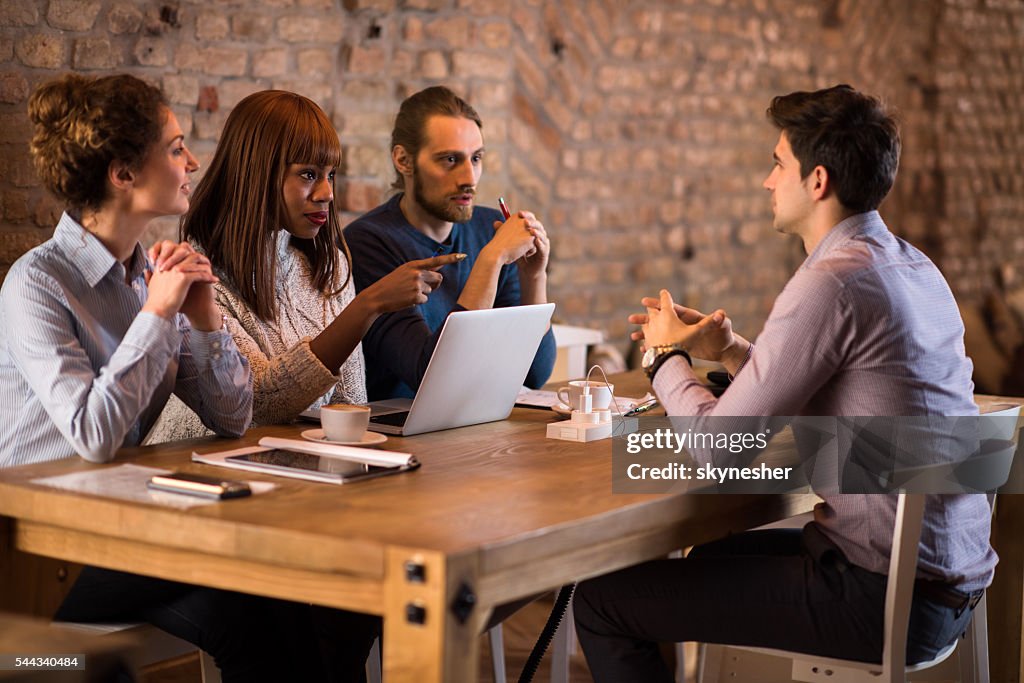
{"x":495,"y":635}
{"x":564,"y":646}
{"x":571,"y":345}
{"x":973,"y":651}
{"x":156,"y":645}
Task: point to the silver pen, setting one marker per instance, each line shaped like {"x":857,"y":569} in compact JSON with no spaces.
{"x":641,"y":407}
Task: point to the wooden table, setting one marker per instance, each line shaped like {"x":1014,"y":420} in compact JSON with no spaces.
{"x":497,"y":513}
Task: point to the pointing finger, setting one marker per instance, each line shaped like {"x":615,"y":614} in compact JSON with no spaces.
{"x":436,"y":262}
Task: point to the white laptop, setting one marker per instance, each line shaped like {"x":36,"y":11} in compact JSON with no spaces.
{"x":474,"y":375}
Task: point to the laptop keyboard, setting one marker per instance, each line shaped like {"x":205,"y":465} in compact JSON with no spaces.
{"x":392,"y":419}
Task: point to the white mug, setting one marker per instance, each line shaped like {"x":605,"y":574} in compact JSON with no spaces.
{"x":601,"y":393}
{"x":344,"y":422}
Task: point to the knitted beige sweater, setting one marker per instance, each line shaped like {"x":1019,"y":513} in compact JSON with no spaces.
{"x":287,"y":378}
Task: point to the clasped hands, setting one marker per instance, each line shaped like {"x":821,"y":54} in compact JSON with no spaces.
{"x":180,"y":281}
{"x":709,"y":337}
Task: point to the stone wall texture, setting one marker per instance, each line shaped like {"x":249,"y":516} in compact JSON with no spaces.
{"x":635,"y":130}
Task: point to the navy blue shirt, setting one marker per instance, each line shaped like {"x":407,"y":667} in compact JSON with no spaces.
{"x":399,"y":345}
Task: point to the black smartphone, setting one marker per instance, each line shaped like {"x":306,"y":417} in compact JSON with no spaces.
{"x":719,"y":377}
{"x":199,"y":485}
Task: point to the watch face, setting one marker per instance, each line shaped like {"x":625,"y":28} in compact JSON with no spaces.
{"x":649,"y":355}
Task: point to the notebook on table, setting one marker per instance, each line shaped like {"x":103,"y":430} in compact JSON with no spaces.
{"x":474,"y":374}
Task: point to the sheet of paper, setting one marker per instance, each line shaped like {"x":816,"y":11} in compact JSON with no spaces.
{"x":128,"y":482}
{"x":368,"y":456}
{"x":536,"y":398}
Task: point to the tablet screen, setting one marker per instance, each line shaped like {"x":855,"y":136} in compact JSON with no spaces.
{"x":279,"y":459}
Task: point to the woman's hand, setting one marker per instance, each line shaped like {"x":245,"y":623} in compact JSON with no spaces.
{"x":181,"y":282}
{"x":407,"y":285}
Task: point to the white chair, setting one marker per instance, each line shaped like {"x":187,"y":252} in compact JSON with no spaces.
{"x":571,"y":345}
{"x":564,"y":645}
{"x":495,"y":635}
{"x":721,"y":663}
{"x":155,"y":645}
{"x":373,"y":665}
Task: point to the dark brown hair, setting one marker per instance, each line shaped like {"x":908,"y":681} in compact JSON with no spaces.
{"x":238,"y":206}
{"x":82,"y":124}
{"x":852,"y":135}
{"x":411,"y":122}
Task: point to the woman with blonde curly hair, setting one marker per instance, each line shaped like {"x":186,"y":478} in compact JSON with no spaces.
{"x":96,"y":332}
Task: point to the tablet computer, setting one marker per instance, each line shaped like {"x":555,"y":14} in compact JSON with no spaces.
{"x":311,"y":466}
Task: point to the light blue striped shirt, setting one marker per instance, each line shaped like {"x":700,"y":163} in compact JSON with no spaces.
{"x":82,"y":371}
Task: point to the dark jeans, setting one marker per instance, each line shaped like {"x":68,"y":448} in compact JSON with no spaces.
{"x":787,"y":589}
{"x":252,"y":639}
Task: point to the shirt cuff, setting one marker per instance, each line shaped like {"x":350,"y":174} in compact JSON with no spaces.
{"x":673,"y":372}
{"x":678,"y":388}
{"x":208,"y":348}
{"x":743,"y":363}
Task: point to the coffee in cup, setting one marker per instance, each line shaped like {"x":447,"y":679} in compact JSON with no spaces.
{"x":601,"y":393}
{"x":344,"y":422}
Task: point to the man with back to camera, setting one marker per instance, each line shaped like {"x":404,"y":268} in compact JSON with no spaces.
{"x":437,"y":150}
{"x":867,"y":326}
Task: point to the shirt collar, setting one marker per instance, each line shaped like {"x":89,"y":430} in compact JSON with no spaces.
{"x":868,"y":223}
{"x":93,"y":260}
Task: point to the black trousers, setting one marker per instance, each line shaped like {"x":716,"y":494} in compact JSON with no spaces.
{"x":252,"y":639}
{"x":787,"y":589}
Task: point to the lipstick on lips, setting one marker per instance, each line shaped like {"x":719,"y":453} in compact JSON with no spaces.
{"x":317,"y":218}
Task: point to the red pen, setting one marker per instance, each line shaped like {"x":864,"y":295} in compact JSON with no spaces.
{"x":504,"y":208}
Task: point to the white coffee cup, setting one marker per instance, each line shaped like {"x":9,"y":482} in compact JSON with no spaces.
{"x":344,"y":422}
{"x":601,"y":393}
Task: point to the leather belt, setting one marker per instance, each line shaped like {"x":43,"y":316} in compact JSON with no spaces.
{"x":947,"y":596}
{"x":823,"y":550}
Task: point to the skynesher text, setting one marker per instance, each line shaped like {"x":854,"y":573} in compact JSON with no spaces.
{"x":679,"y":471}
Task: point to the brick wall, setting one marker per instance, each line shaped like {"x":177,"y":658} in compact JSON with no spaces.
{"x":635,"y":130}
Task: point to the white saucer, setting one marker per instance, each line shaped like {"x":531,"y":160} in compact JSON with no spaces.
{"x":369,"y":438}
{"x":562,"y":409}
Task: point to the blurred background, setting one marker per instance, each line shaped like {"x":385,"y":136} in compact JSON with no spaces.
{"x":635,"y":130}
